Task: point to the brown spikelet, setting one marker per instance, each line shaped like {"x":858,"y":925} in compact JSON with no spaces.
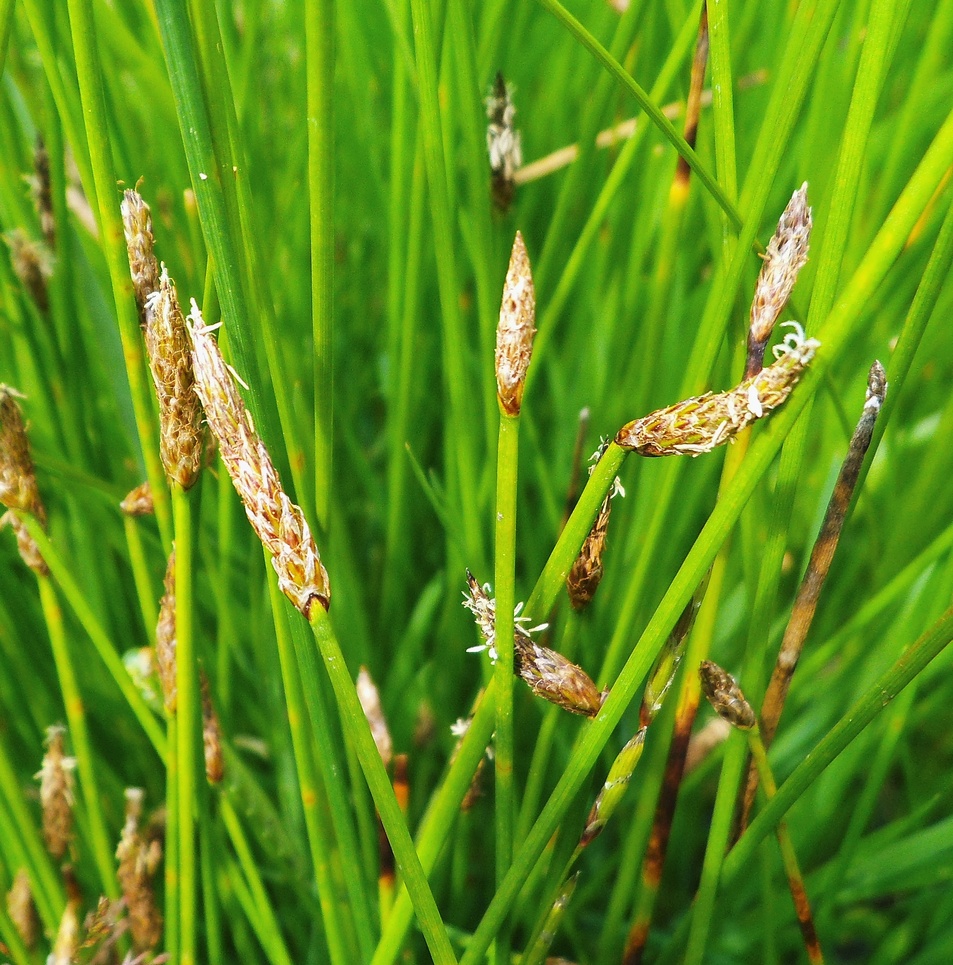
{"x":33,"y":264}
{"x":514,"y":334}
{"x":139,"y":859}
{"x":40,"y":189}
{"x":279,"y":523}
{"x":586,"y":573}
{"x":370,"y":698}
{"x":18,"y":488}
{"x":725,"y":696}
{"x":102,"y":930}
{"x":138,"y":501}
{"x":785,"y":257}
{"x":699,"y":424}
{"x":56,"y":793}
{"x":166,"y":639}
{"x":548,"y":673}
{"x":22,"y":909}
{"x":180,"y":414}
{"x":66,"y":946}
{"x":502,"y":143}
{"x":211,"y":735}
{"x":143,"y":266}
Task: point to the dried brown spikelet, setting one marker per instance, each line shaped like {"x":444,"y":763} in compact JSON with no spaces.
{"x":138,"y":861}
{"x":211,"y":735}
{"x":143,"y":266}
{"x":56,"y":793}
{"x":180,"y":414}
{"x":18,"y":488}
{"x":41,"y":191}
{"x":166,"y":639}
{"x":138,"y":501}
{"x":370,"y":698}
{"x":548,"y":673}
{"x":502,"y":143}
{"x":586,"y":573}
{"x":725,"y":696}
{"x":514,"y":334}
{"x":33,"y":264}
{"x":279,"y":523}
{"x":703,"y":422}
{"x":785,"y":257}
{"x":22,"y":909}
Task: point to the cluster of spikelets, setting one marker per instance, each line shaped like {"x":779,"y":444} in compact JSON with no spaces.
{"x":690,"y":427}
{"x":138,"y":856}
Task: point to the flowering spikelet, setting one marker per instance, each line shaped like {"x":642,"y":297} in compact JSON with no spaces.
{"x":725,"y":696}
{"x":143,"y":266}
{"x":370,"y":698}
{"x":138,"y":861}
{"x":279,"y":523}
{"x":502,"y":143}
{"x":56,"y":793}
{"x":211,"y":735}
{"x":703,"y":422}
{"x":18,"y":488}
{"x":166,"y":639}
{"x":548,"y":674}
{"x":41,"y":192}
{"x":614,"y":788}
{"x":514,"y":334}
{"x":784,"y":259}
{"x":180,"y":415}
{"x":138,"y":501}
{"x":586,"y":573}
{"x":33,"y":264}
{"x":22,"y":909}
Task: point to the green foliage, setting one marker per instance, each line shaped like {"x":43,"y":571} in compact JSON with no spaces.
{"x":331,"y":206}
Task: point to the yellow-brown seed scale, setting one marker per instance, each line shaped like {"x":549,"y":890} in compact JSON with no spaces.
{"x":514,"y":334}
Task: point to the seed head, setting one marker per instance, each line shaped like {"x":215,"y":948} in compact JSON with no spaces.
{"x":33,"y":264}
{"x":138,"y":502}
{"x":784,"y":259}
{"x":548,"y":673}
{"x":211,"y":735}
{"x":514,"y":334}
{"x":56,"y":793}
{"x":703,"y":422}
{"x":613,"y":790}
{"x":587,"y":569}
{"x":139,"y":859}
{"x":143,"y":266}
{"x":502,"y":142}
{"x":279,"y":523}
{"x":180,"y":414}
{"x":22,"y":909}
{"x":166,"y":640}
{"x":725,"y":696}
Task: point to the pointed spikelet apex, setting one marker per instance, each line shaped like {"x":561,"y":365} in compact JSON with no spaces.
{"x":514,"y":334}
{"x":279,"y":523}
{"x":166,"y":640}
{"x":785,"y":257}
{"x":181,"y":444}
{"x":703,"y":422}
{"x":140,"y":244}
{"x":56,"y":793}
{"x":725,"y":696}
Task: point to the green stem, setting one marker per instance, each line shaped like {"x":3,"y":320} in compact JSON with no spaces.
{"x":375,"y":774}
{"x":504,"y":576}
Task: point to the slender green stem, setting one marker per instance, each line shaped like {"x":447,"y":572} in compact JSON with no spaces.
{"x":103,"y":645}
{"x":319,"y":38}
{"x":79,"y":735}
{"x":504,"y":577}
{"x":188,"y":717}
{"x":172,"y":875}
{"x":375,"y":774}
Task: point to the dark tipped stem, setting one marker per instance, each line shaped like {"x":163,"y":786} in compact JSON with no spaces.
{"x":694,"y":102}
